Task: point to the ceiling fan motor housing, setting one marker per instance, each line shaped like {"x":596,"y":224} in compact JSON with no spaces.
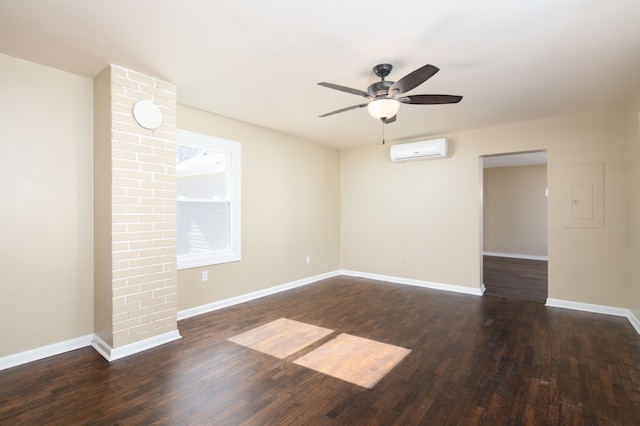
{"x":379,"y":89}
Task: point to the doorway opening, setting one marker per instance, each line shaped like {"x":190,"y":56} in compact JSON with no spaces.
{"x":514,"y":255}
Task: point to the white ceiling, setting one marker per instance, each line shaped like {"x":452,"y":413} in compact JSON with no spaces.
{"x":259,"y":61}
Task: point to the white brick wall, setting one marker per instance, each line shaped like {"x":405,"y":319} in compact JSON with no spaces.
{"x":143,"y":210}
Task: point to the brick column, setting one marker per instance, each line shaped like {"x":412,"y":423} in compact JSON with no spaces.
{"x":136,"y":180}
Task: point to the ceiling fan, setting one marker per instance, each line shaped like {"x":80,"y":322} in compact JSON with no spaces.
{"x":385,"y":97}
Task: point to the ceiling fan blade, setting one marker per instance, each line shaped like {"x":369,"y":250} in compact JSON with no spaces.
{"x":430,"y":99}
{"x":344,"y":89}
{"x":343,"y":110}
{"x":390,"y":119}
{"x":413,"y":79}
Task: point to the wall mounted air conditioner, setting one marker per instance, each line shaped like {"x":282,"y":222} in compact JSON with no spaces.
{"x":424,"y":150}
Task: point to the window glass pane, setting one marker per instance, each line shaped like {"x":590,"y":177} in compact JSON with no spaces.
{"x":202,"y":174}
{"x":203,"y":227}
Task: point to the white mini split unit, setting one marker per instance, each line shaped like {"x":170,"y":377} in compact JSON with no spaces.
{"x":424,"y":150}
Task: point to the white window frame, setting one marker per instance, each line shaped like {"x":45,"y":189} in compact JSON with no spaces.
{"x":232,"y":148}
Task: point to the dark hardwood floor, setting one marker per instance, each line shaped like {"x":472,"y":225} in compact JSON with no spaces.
{"x":473,"y":360}
{"x":512,"y":278}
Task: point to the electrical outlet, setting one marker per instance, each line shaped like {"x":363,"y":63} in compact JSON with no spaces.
{"x":308,"y":260}
{"x":205,"y":276}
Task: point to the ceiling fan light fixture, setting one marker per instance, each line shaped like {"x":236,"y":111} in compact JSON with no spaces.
{"x":382,"y":109}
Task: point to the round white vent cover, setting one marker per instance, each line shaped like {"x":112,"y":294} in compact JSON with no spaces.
{"x":147,"y":114}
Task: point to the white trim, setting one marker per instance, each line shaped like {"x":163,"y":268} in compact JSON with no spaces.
{"x":417,"y":283}
{"x":44,"y":352}
{"x":214,"y":306}
{"x":112,"y":354}
{"x":101,"y":347}
{"x":515,"y":256}
{"x":587,"y":307}
{"x":633,"y":319}
{"x":596,"y":309}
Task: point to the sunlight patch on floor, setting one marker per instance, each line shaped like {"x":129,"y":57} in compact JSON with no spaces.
{"x":354,"y":359}
{"x":281,"y":338}
{"x":360,"y":361}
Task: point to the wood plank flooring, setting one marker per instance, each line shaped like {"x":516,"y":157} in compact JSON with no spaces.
{"x":512,"y":278}
{"x":473,"y":360}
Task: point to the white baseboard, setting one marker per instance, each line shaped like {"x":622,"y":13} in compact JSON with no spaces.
{"x":102,"y":347}
{"x":515,"y":256}
{"x":633,"y":319}
{"x":112,"y":354}
{"x":44,"y":351}
{"x":587,"y":307}
{"x":417,"y":283}
{"x":596,"y":309}
{"x":214,"y":306}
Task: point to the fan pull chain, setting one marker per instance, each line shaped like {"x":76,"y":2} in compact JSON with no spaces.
{"x":382,"y":121}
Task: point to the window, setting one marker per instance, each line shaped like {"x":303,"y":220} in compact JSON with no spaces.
{"x":208,"y":195}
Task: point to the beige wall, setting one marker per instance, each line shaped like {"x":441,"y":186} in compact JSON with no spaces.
{"x":633,"y":125}
{"x":102,"y":177}
{"x":413,"y":220}
{"x":46,"y":181}
{"x":418,"y":220}
{"x":421,"y":220}
{"x":290,"y":210}
{"x":515,"y":210}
